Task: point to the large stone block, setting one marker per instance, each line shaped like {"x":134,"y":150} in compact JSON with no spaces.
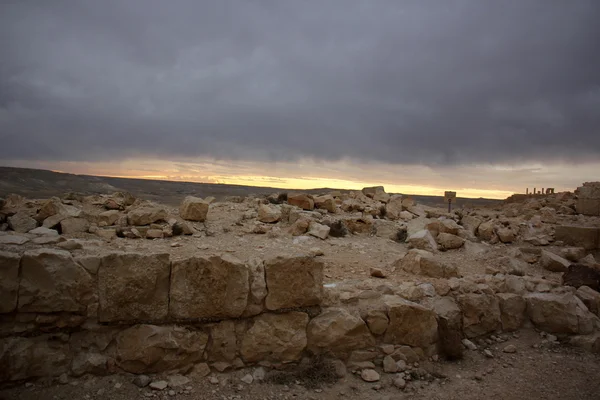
{"x":26,"y":358}
{"x":9,"y":281}
{"x":133,"y":287}
{"x":223,"y":342}
{"x":21,"y":222}
{"x":154,"y":349}
{"x":422,"y":240}
{"x":512,"y":309}
{"x":146,"y":215}
{"x":410,"y":323}
{"x":51,"y":281}
{"x":553,"y":262}
{"x":481,"y":314}
{"x":302,"y":201}
{"x":559,"y":313}
{"x":194,"y":209}
{"x":581,"y":236}
{"x":275,"y":338}
{"x":209,"y":287}
{"x":421,"y":262}
{"x":588,"y":206}
{"x":293,"y":282}
{"x":337,"y":332}
{"x":74,"y":225}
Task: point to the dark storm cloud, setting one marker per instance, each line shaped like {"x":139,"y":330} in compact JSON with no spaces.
{"x":435,"y":82}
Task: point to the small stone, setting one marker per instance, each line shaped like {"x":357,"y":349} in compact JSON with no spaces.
{"x":551,"y":338}
{"x":478,"y":377}
{"x":259,"y":374}
{"x":171,"y":393}
{"x":247,"y":379}
{"x":142,"y":381}
{"x":389,"y":365}
{"x":201,"y":370}
{"x":369,"y":375}
{"x":178,"y":380}
{"x":63,"y":379}
{"x":401,"y":364}
{"x":213,"y":380}
{"x":118,"y":385}
{"x":469,"y":345}
{"x":29,"y":384}
{"x":488,"y":353}
{"x":511,"y":348}
{"x":387,"y":348}
{"x":400,"y":383}
{"x":158,"y":385}
{"x":377,"y":273}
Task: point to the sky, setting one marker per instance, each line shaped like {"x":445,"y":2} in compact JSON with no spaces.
{"x":485,"y":98}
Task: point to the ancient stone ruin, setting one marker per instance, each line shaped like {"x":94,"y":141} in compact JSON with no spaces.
{"x":113,"y":284}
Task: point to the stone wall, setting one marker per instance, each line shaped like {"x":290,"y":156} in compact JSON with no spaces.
{"x":588,"y":198}
{"x":148,"y":313}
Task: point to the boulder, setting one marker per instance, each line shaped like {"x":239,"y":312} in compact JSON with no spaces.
{"x":49,"y":208}
{"x":326,"y":202}
{"x":410,"y":323}
{"x":146,"y":215}
{"x":275,"y":338}
{"x":370,"y":192}
{"x":421,"y":262}
{"x":553,"y":262}
{"x":194,"y":209}
{"x":155,"y":349}
{"x":9,"y":281}
{"x":471,"y":223}
{"x":133,"y":287}
{"x":590,"y":298}
{"x":486,"y":230}
{"x":302,"y":201}
{"x":481,"y":314}
{"x":300,"y":226}
{"x":555,"y":313}
{"x":74,"y":225}
{"x":318,"y":230}
{"x":51,"y":281}
{"x":422,"y":240}
{"x":21,"y":222}
{"x":41,"y":231}
{"x":13,"y":239}
{"x":377,"y":321}
{"x":512,"y":309}
{"x":269,"y":213}
{"x":337,"y":332}
{"x":108,"y":218}
{"x":506,"y":234}
{"x":449,"y":241}
{"x":293,"y":282}
{"x":209,"y":287}
{"x":393,"y":208}
{"x":36,"y":357}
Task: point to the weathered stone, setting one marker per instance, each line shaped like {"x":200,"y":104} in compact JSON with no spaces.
{"x":70,"y":244}
{"x":9,"y":281}
{"x":154,"y":349}
{"x":506,"y":234}
{"x":258,"y":287}
{"x":275,"y":338}
{"x":269,"y":213}
{"x":146,"y":215}
{"x":372,"y":191}
{"x":410,"y":323}
{"x":154,"y":234}
{"x":590,"y":298}
{"x":318,"y":230}
{"x":51,"y":281}
{"x":338,"y":332}
{"x":21,"y":222}
{"x":293,"y":282}
{"x":481,"y":314}
{"x":590,"y":343}
{"x":377,"y":321}
{"x":74,"y":225}
{"x":108,"y":217}
{"x":449,"y":241}
{"x":553,"y":313}
{"x":107,"y":234}
{"x":302,"y":201}
{"x":89,"y":363}
{"x":512,"y":309}
{"x":422,"y":240}
{"x":209,"y":287}
{"x":300,"y":226}
{"x":486,"y":230}
{"x":26,"y":358}
{"x":13,"y":239}
{"x":421,"y":262}
{"x":193,"y":209}
{"x":133,"y":286}
{"x":369,"y":375}
{"x":223,"y":342}
{"x":393,"y":208}
{"x":581,"y":275}
{"x":42,"y":231}
{"x":553,"y":262}
{"x":471,"y":223}
{"x":326,"y":202}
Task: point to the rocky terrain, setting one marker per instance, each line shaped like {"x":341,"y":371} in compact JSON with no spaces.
{"x":296,"y":295}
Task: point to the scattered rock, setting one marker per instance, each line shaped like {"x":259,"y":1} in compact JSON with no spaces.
{"x":369,"y":375}
{"x":248,"y":379}
{"x":377,"y":273}
{"x":142,"y":381}
{"x":158,"y":385}
{"x":511,"y":348}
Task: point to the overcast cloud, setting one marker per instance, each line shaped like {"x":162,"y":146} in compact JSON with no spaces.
{"x":401,"y":82}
